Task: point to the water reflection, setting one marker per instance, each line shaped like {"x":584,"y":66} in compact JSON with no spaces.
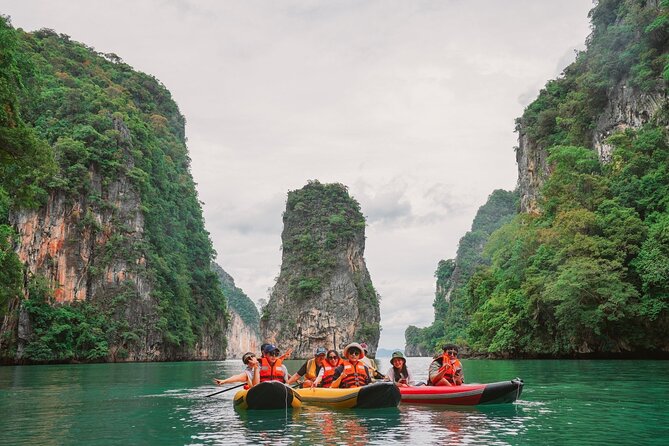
{"x":315,"y":425}
{"x":564,"y":402}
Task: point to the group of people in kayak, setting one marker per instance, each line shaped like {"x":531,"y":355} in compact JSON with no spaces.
{"x":354,"y":369}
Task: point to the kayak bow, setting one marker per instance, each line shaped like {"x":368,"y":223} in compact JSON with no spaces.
{"x":267,"y":395}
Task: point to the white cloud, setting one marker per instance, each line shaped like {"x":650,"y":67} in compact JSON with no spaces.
{"x":410,"y":104}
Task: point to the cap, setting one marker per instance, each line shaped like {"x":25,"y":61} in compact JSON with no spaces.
{"x":270,"y":348}
{"x":397,"y":354}
{"x":364,"y":346}
{"x":320,"y":351}
{"x":356,"y":345}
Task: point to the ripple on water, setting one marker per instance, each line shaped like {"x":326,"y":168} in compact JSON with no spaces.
{"x":564,"y":402}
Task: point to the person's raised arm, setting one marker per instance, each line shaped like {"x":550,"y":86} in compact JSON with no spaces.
{"x":445,"y":368}
{"x":242,"y":377}
{"x":255,"y":365}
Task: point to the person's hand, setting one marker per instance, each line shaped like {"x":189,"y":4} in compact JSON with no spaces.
{"x":218,"y":382}
{"x":288,"y":352}
{"x":253,"y":362}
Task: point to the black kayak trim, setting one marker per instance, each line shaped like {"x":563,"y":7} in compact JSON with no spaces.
{"x":378,"y":395}
{"x":269,"y":395}
{"x":502,"y":392}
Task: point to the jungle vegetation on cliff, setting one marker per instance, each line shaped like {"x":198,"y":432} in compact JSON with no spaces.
{"x":67,"y":112}
{"x":320,"y":220}
{"x":589,"y":272}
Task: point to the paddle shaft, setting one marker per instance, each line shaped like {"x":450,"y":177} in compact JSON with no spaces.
{"x":225,"y":390}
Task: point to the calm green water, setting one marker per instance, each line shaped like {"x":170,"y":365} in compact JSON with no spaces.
{"x":564,"y":402}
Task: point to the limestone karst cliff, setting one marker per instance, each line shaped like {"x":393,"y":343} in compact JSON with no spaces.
{"x":241,"y":338}
{"x":615,"y":85}
{"x":582,"y":269}
{"x":453,"y":274}
{"x":324,"y":294}
{"x":110,"y":258}
{"x":243,"y":333}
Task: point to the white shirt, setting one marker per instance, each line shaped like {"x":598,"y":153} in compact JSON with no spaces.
{"x":390,"y":374}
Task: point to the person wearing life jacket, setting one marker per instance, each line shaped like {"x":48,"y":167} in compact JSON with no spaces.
{"x":326,"y":375}
{"x":446,"y":370}
{"x":281,"y":358}
{"x":250,"y":375}
{"x":310,"y":369}
{"x":352,"y":372}
{"x":269,"y":370}
{"x":370,"y":363}
{"x":398,"y":373}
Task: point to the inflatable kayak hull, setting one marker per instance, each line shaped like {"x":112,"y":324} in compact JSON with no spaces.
{"x":464,"y":395}
{"x":266,"y":396}
{"x":371,"y":396}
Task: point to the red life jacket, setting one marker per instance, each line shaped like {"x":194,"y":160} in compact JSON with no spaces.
{"x":453,"y":368}
{"x":269,"y":372}
{"x":328,"y":373}
{"x":354,"y":376}
{"x":450,"y":371}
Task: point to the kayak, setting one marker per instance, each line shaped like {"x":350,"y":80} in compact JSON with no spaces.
{"x":371,"y":396}
{"x":267,"y":395}
{"x":464,"y":395}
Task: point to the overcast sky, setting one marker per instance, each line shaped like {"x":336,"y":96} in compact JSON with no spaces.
{"x":411,"y":104}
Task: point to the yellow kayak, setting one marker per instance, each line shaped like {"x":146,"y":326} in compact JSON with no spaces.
{"x":371,"y":396}
{"x":267,"y":395}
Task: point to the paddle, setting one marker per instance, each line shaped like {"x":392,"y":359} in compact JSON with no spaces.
{"x":225,"y":390}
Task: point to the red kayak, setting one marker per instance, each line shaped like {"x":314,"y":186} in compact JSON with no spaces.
{"x":464,"y":395}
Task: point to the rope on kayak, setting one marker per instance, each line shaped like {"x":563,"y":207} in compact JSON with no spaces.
{"x":286,"y":403}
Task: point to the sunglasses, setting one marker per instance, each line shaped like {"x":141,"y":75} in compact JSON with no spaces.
{"x":452,"y":352}
{"x":274,"y":353}
{"x":333,"y":357}
{"x":354,"y":351}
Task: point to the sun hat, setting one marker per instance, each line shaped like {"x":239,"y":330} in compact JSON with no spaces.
{"x":397,"y":354}
{"x":354,"y":345}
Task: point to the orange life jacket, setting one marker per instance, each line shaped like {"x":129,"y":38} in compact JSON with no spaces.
{"x":451,"y":371}
{"x":455,"y":366}
{"x":328,"y":373}
{"x":354,"y":376}
{"x":271,"y":373}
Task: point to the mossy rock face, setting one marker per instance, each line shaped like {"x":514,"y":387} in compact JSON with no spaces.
{"x":324,"y":295}
{"x":98,"y":196}
{"x":582,"y":270}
